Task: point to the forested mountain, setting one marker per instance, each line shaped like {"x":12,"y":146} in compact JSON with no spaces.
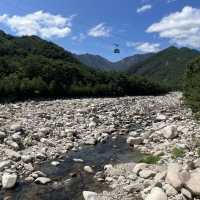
{"x":32,"y":67}
{"x":100,"y":63}
{"x":167,"y":66}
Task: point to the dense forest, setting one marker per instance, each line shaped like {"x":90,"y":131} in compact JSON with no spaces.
{"x":31,"y":67}
{"x":167,"y":66}
{"x":192,"y":86}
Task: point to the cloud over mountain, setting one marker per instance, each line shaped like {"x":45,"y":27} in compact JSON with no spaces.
{"x":182,"y":28}
{"x":100,"y":30}
{"x":39,"y":23}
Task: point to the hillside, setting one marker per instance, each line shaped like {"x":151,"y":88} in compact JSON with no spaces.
{"x":32,"y":67}
{"x":100,"y":63}
{"x":167,"y":66}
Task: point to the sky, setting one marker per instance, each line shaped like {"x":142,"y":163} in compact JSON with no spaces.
{"x":94,"y":26}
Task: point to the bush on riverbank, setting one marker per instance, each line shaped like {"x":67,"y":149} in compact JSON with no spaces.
{"x":192,"y":85}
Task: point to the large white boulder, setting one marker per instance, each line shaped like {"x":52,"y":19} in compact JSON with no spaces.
{"x":170,"y":132}
{"x":193,"y":183}
{"x":9,"y":180}
{"x":87,"y":195}
{"x":42,"y":180}
{"x":173,"y":176}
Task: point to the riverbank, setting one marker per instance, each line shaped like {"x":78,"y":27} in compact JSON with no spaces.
{"x":34,"y":132}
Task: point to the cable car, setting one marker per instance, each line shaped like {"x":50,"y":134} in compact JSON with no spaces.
{"x":116,"y":48}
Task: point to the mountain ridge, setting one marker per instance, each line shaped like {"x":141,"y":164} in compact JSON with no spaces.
{"x":100,"y":63}
{"x":167,"y":66}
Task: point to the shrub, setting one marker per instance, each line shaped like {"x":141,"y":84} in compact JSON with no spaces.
{"x":177,"y":153}
{"x":150,"y":159}
{"x":192,"y":85}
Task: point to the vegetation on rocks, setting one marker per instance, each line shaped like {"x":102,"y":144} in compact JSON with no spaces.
{"x":177,"y":152}
{"x":150,"y":159}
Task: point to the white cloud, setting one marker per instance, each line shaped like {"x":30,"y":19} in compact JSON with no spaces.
{"x":100,"y":30}
{"x":170,"y":1}
{"x":79,"y":38}
{"x":182,"y":28}
{"x":3,"y":17}
{"x":144,"y":47}
{"x":144,"y":8}
{"x":39,"y":23}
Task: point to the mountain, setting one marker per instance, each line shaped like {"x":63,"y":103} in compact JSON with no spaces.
{"x":167,"y":66}
{"x":95,"y":61}
{"x":31,"y":67}
{"x":133,"y":60}
{"x":100,"y":63}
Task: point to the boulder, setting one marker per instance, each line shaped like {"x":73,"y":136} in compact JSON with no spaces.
{"x":87,"y":195}
{"x":2,"y":135}
{"x":138,"y":167}
{"x":16,"y":127}
{"x":14,"y":155}
{"x":9,"y":180}
{"x":170,"y":132}
{"x":186,"y":193}
{"x":156,"y":194}
{"x":173,"y":176}
{"x":91,"y":141}
{"x":88,"y":169}
{"x":193,"y":183}
{"x":147,"y":173}
{"x":27,"y":158}
{"x":134,"y":141}
{"x":161,"y":117}
{"x":170,"y":191}
{"x":4,"y":164}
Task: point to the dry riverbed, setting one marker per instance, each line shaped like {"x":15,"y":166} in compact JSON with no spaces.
{"x":46,"y":132}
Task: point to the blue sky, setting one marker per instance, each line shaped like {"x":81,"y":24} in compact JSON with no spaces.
{"x":93,"y":26}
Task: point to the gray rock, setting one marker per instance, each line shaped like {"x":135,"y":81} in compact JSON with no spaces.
{"x":91,"y":141}
{"x":2,"y":135}
{"x":186,"y":193}
{"x":4,"y":164}
{"x":9,"y":180}
{"x":161,"y":117}
{"x":169,"y":132}
{"x":147,"y":173}
{"x":27,"y":158}
{"x":135,"y":187}
{"x":170,"y":191}
{"x":16,"y":127}
{"x":13,"y":154}
{"x":134,"y":141}
{"x":12,"y":144}
{"x":138,"y":167}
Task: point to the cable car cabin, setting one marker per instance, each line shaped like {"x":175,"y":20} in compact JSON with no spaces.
{"x":116,"y":51}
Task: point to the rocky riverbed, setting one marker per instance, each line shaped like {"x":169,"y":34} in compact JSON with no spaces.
{"x":32,"y":133}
